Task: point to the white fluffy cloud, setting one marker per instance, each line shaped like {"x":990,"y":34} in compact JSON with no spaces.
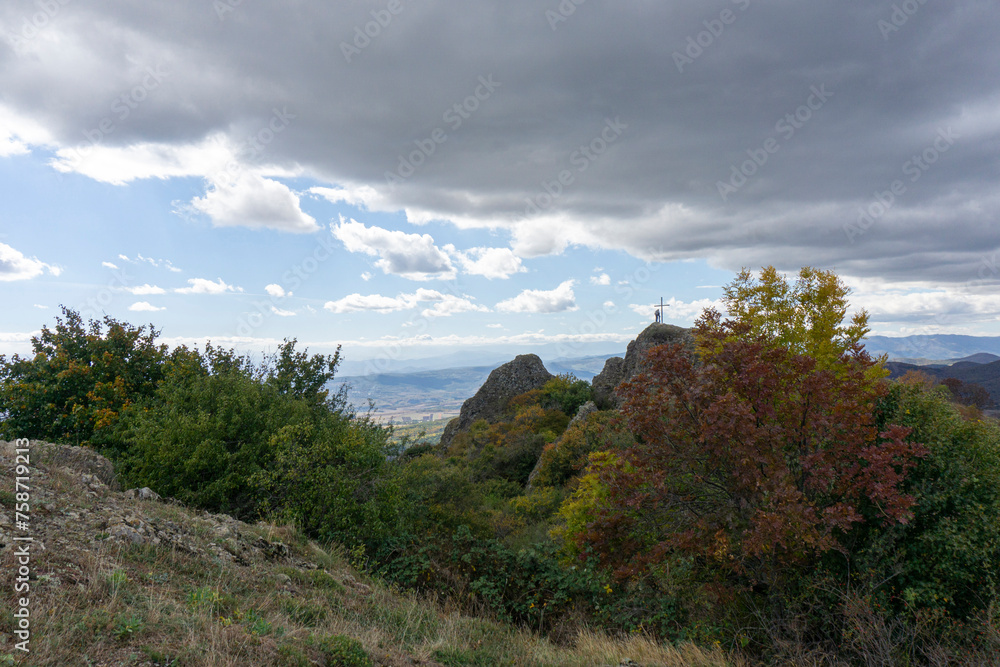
{"x":444,"y":305}
{"x":412,"y":256}
{"x":556,"y":300}
{"x":282,"y":313}
{"x":143,"y":290}
{"x":144,"y":307}
{"x":277,"y":291}
{"x":490,"y":262}
{"x":15,"y":266}
{"x":205,"y":286}
{"x":253,"y":201}
{"x":603,"y":279}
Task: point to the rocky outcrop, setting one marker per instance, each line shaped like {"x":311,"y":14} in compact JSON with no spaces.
{"x":604,"y":383}
{"x":618,"y":370}
{"x":524,"y":373}
{"x":75,"y":507}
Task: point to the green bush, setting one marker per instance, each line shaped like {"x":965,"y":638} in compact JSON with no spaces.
{"x":342,"y":651}
{"x":332,"y":479}
{"x":945,"y":562}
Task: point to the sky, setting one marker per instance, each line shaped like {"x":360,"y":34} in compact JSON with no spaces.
{"x":414,"y":179}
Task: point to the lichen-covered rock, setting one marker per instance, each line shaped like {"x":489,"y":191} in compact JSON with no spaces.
{"x":524,"y":373}
{"x":617,"y":370}
{"x":145,"y":493}
{"x":604,"y":383}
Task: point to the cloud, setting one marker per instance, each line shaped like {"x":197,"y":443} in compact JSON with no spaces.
{"x":557,"y":300}
{"x":373,"y":302}
{"x":41,"y":307}
{"x":412,"y":256}
{"x":144,"y":306}
{"x":18,"y":133}
{"x":139,"y":259}
{"x":452,"y":305}
{"x":109,"y":265}
{"x":277,"y":291}
{"x":205,"y":286}
{"x":603,"y":279}
{"x":145,"y":289}
{"x":555,"y":177}
{"x":282,"y":313}
{"x":15,"y":266}
{"x":491,"y":263}
{"x":256,"y":202}
{"x":445,"y":305}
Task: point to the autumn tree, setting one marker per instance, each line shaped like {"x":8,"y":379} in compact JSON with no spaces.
{"x":760,"y":453}
{"x":79,"y":380}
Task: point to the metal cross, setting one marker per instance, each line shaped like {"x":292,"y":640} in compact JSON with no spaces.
{"x":660,"y":306}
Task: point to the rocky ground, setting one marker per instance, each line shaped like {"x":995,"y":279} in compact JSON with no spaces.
{"x":124,"y":577}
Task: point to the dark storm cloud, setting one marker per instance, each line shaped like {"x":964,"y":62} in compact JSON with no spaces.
{"x":807,"y":113}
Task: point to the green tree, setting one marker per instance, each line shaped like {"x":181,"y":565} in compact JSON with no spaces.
{"x":79,"y":380}
{"x":208,"y":428}
{"x":805,"y":317}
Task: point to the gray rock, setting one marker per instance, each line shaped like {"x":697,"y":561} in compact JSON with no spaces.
{"x":616,"y":370}
{"x":126,"y":533}
{"x":604,"y":383}
{"x":145,"y":493}
{"x":524,"y":373}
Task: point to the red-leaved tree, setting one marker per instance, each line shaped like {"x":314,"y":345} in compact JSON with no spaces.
{"x":751,"y":458}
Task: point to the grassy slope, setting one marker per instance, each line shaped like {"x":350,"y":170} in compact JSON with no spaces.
{"x":100,"y":600}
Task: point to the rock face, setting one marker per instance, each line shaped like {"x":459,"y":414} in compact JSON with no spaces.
{"x":604,"y":383}
{"x":524,"y":373}
{"x":76,"y":508}
{"x":618,"y":370}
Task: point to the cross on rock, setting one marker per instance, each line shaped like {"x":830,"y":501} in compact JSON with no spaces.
{"x":659,"y":310}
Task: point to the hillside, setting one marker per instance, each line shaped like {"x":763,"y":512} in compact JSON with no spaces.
{"x":986,"y":375}
{"x":121,"y":580}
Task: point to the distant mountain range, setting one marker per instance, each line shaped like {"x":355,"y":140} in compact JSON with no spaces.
{"x":442,"y":383}
{"x":444,"y":390}
{"x":939,"y":346}
{"x":981,"y":368}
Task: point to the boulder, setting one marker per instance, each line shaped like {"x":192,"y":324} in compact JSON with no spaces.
{"x":524,"y":373}
{"x":618,"y":370}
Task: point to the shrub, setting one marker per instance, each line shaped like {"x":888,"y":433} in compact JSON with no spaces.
{"x":79,"y":380}
{"x":343,"y":651}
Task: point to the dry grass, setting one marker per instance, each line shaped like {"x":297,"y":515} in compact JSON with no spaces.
{"x":156,"y":607}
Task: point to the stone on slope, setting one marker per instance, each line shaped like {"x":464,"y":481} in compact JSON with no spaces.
{"x":524,"y":373}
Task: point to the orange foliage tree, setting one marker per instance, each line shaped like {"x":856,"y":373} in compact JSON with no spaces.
{"x":753,"y":458}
